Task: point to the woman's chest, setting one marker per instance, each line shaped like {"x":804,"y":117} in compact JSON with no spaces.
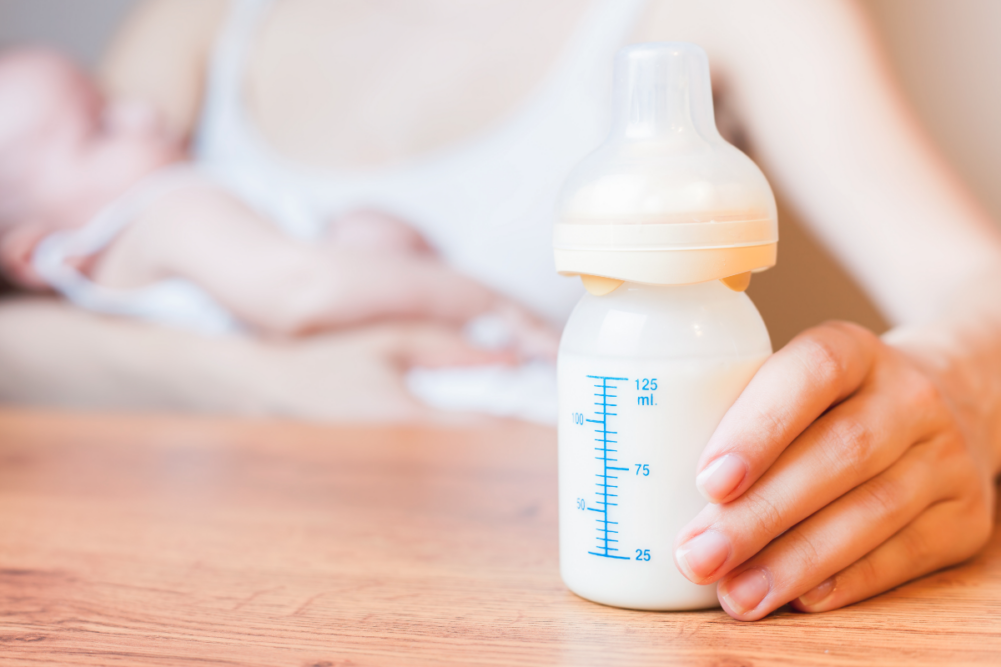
{"x":361,"y":83}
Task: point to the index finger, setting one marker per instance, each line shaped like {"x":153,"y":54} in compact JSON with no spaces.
{"x":817,"y":369}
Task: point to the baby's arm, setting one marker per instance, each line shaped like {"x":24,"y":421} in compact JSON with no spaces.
{"x":277,"y":284}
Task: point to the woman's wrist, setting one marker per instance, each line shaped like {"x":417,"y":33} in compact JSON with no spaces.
{"x":961,"y":353}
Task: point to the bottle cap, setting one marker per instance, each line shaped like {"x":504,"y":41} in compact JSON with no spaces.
{"x":665,"y":200}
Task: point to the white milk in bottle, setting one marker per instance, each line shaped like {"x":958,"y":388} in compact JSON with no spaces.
{"x":664,"y":223}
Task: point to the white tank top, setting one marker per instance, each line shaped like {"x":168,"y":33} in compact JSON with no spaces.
{"x":486,"y":204}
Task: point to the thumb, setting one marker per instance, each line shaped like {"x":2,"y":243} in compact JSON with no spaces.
{"x":17,"y":247}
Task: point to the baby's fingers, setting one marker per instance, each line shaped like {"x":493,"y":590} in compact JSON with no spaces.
{"x":371,"y":287}
{"x":531,"y":337}
{"x":434,"y":346}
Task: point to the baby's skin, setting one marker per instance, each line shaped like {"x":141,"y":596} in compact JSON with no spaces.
{"x":66,"y":152}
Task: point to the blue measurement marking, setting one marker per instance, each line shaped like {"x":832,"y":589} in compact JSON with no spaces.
{"x":606,"y":477}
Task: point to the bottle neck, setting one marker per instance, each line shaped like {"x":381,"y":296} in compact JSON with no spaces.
{"x":600,"y":286}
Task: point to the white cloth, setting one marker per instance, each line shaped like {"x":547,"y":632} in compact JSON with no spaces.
{"x":173,"y":302}
{"x":527,"y":392}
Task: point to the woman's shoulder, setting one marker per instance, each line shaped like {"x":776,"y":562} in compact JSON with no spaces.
{"x":727,"y":29}
{"x":160,"y":54}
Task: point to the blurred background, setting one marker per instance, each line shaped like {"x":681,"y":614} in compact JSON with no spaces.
{"x":948,"y":58}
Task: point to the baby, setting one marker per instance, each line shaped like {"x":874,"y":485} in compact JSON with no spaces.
{"x":98,"y":201}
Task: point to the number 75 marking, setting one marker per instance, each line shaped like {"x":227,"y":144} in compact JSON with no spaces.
{"x":643,"y":468}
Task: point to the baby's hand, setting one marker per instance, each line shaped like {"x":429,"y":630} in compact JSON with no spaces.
{"x":371,"y":286}
{"x":369,"y":229}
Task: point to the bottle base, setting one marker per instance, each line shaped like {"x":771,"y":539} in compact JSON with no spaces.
{"x":690,"y":597}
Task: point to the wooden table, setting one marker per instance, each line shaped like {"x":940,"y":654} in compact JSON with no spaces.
{"x":184,"y":541}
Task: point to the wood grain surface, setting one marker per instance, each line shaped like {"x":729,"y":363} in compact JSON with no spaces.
{"x":185,"y":541}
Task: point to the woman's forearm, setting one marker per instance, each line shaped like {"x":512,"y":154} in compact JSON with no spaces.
{"x":54,"y":354}
{"x":159,"y":55}
{"x":962,"y":350}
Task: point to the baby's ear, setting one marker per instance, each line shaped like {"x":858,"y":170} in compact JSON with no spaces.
{"x":17,"y":246}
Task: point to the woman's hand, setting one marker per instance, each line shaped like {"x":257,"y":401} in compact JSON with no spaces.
{"x":839,"y":473}
{"x":54,"y":354}
{"x":359,"y":375}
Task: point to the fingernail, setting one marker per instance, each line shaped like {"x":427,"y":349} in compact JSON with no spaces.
{"x":746,"y":591}
{"x":818,"y":594}
{"x":721,"y":477}
{"x":702,"y":555}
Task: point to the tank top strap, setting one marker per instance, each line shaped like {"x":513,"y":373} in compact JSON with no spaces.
{"x":221,"y":127}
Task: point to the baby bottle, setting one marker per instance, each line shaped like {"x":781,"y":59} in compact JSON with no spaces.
{"x":664,"y":223}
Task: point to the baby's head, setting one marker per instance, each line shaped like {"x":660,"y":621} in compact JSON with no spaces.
{"x":64,"y":151}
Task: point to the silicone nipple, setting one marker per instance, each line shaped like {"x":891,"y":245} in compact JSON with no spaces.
{"x":662,"y":93}
{"x":665,"y":200}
